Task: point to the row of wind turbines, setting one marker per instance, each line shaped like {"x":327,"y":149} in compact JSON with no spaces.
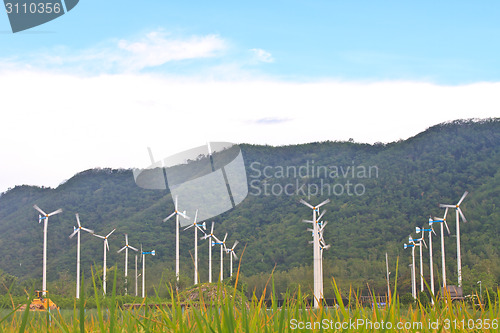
{"x":419,"y":242}
{"x":213,"y":240}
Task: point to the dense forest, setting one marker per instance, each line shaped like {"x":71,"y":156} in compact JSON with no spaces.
{"x":379,"y":193}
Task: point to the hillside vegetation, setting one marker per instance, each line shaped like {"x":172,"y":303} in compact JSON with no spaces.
{"x":378,"y":193}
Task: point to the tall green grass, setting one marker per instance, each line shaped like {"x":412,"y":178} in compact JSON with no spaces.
{"x":230,"y":311}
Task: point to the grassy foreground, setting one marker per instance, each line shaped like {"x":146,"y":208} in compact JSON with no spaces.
{"x":227,"y":310}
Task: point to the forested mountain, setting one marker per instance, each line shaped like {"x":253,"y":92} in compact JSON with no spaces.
{"x":379,"y":193}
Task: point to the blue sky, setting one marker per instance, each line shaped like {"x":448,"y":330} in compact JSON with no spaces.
{"x":99,"y":84}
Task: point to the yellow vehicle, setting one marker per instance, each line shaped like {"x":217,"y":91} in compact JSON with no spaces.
{"x":41,"y":302}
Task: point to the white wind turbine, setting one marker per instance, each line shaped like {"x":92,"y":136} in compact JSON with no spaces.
{"x":317,"y":270}
{"x":210,"y":244}
{"x":106,"y":247}
{"x":413,"y":282}
{"x":153,"y":253}
{"x":78,"y":231}
{"x":177,"y":213}
{"x":222,"y":249}
{"x":232,"y":254}
{"x":431,"y":264}
{"x":197,"y":226}
{"x":459,"y":213}
{"x":443,"y":261}
{"x":45,"y":218}
{"x":126,"y":247}
{"x":420,"y":241}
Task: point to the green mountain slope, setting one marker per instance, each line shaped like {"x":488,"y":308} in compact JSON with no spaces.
{"x":379,"y":194}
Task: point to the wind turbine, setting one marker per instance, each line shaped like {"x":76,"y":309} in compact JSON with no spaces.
{"x":232,"y":254}
{"x":136,"y":276}
{"x":413,"y":282}
{"x":442,"y":221}
{"x":153,"y":253}
{"x":431,"y":265}
{"x":197,"y":226}
{"x":126,"y":247}
{"x":459,"y":213}
{"x":210,"y":244}
{"x":106,"y":246}
{"x":222,"y":248}
{"x":177,"y":213}
{"x":317,"y":270}
{"x":78,"y":231}
{"x":45,"y":218}
{"x":420,"y":241}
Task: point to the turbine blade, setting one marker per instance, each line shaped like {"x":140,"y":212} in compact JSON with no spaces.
{"x":212,"y":230}
{"x":56,"y":212}
{"x":433,"y":231}
{"x":447,"y":206}
{"x":167,"y":218}
{"x":107,"y":245}
{"x":423,"y":240}
{"x":78,"y":219}
{"x":126,"y":239}
{"x":445,"y":213}
{"x":88,"y":230}
{"x":102,"y":237}
{"x":225,"y":236}
{"x":321,"y":215}
{"x":198,"y":227}
{"x":189,"y":226}
{"x":74,"y":233}
{"x":111,"y":232}
{"x":302,"y":201}
{"x":205,"y":237}
{"x":120,"y":250}
{"x":462,"y":198}
{"x":183,"y":215}
{"x":196,"y":216}
{"x":133,"y":248}
{"x":446,"y":224}
{"x":235,"y":256}
{"x":462,"y":215}
{"x":176,"y":203}
{"x":323,"y":203}
{"x":38,"y":209}
{"x":234,"y":245}
{"x":307,"y":221}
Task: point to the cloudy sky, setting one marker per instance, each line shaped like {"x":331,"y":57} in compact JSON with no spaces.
{"x":100,"y":84}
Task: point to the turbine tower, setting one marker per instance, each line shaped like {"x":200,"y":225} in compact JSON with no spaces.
{"x":78,"y":231}
{"x":443,"y":261}
{"x":210,"y":245}
{"x":196,"y":226}
{"x":126,"y":247}
{"x":419,"y":243}
{"x":317,"y":270}
{"x":431,"y":265}
{"x":153,"y":253}
{"x":459,"y":213}
{"x":232,"y":254}
{"x":177,"y":213}
{"x":413,"y":282}
{"x":45,"y":218}
{"x":106,"y":246}
{"x":222,"y":248}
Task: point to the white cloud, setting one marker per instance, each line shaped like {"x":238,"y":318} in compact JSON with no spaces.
{"x":71,"y":123}
{"x":262,"y":55}
{"x":157,"y":49}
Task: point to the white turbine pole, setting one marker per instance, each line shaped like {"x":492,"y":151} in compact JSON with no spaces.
{"x":176,"y":213}
{"x":317,"y":270}
{"x":421,"y":269}
{"x":443,"y":260}
{"x":413,"y":273}
{"x":459,"y":256}
{"x":78,"y":231}
{"x":210,"y":259}
{"x":45,"y":217}
{"x":143,"y":275}
{"x":136,"y":276}
{"x":221,"y":263}
{"x":104,"y":271}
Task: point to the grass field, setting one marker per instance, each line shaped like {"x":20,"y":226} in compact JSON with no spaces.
{"x":229,"y":311}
